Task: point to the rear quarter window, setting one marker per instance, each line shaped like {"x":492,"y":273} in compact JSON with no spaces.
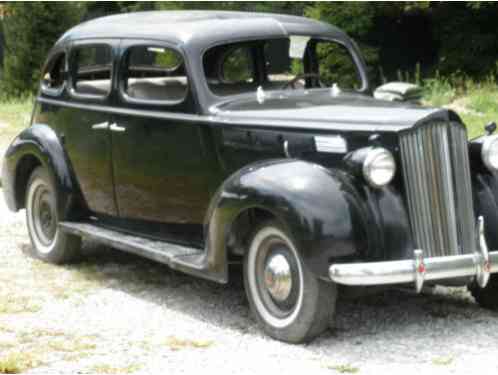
{"x":54,"y":76}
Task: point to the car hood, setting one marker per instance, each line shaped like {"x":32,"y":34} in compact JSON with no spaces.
{"x":323,"y":111}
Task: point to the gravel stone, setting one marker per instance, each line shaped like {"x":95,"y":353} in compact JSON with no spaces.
{"x":128,"y":311}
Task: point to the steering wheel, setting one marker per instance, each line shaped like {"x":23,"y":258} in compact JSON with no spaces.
{"x":292,"y":82}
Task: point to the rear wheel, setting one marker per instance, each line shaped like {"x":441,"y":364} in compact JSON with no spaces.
{"x":48,"y":242}
{"x":486,"y":297}
{"x":289,"y":302}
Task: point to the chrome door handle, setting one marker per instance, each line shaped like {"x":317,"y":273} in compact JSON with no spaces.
{"x":101,"y":126}
{"x":116,"y":128}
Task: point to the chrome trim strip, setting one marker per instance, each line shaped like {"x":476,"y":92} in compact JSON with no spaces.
{"x":223,"y":118}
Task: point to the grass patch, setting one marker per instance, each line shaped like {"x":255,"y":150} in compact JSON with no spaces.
{"x":71,"y":345}
{"x":344,"y":369}
{"x":69,"y":281}
{"x":442,"y":361}
{"x":7,"y":345}
{"x":475,"y":103}
{"x":34,"y":335}
{"x":175,"y":343}
{"x":15,"y":304}
{"x":108,"y":369}
{"x":14,"y":116}
{"x":439,"y":92}
{"x":16,"y":362}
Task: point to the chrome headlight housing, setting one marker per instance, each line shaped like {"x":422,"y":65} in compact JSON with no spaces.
{"x":489,"y":152}
{"x":379,"y":167}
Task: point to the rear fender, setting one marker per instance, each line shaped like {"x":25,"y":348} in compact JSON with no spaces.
{"x":39,"y":142}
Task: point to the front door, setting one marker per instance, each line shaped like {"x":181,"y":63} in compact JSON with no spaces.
{"x":160,"y":163}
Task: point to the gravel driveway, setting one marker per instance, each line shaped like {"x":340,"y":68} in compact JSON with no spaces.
{"x":116,"y":313}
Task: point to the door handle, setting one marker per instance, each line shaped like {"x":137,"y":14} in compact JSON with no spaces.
{"x":101,"y":126}
{"x":116,"y":128}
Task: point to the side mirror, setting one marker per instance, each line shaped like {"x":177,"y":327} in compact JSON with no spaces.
{"x":399,"y":91}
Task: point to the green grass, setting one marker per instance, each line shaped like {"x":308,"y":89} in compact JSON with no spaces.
{"x":344,"y":369}
{"x":475,"y":103}
{"x":442,"y":361}
{"x":14,"y":115}
{"x":16,"y":362}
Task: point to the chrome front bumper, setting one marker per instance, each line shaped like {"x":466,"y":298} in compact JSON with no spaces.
{"x":418,"y":270}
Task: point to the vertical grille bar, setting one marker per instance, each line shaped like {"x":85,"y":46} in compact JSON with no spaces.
{"x":437,"y":182}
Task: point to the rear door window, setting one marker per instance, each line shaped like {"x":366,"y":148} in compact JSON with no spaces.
{"x":92,"y":70}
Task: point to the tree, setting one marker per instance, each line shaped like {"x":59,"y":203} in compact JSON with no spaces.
{"x":31,"y":28}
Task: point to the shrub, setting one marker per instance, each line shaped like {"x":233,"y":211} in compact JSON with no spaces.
{"x":31,"y":28}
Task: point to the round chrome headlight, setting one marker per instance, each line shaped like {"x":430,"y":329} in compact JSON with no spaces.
{"x":379,"y":167}
{"x":489,"y":152}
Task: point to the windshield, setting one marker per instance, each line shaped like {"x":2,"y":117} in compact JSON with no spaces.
{"x":294,"y":63}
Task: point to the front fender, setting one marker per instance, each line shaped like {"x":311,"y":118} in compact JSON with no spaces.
{"x":319,"y":208}
{"x":41,"y":142}
{"x":486,"y":204}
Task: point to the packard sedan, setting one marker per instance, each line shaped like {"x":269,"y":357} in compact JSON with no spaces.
{"x":204,"y":139}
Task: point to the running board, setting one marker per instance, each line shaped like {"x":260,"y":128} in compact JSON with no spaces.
{"x":182,"y":258}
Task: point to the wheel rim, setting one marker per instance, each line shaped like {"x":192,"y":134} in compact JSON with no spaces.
{"x":42,"y":216}
{"x":275,"y":277}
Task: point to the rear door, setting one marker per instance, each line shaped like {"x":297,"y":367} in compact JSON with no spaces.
{"x":160,"y":160}
{"x":86,"y":122}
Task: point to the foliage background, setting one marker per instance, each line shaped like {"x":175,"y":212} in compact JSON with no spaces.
{"x":402,"y":40}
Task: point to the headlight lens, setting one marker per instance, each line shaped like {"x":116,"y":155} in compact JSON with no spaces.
{"x":379,"y":167}
{"x":489,"y":152}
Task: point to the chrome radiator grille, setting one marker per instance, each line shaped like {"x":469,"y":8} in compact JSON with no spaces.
{"x":435,"y":165}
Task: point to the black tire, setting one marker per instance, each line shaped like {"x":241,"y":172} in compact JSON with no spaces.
{"x":486,"y":297}
{"x":306,"y":308}
{"x":49,"y":243}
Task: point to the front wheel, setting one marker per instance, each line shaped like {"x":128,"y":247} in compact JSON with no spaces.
{"x":49,"y":243}
{"x":486,"y":297}
{"x":289,"y":302}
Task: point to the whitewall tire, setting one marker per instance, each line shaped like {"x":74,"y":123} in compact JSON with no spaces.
{"x":288,"y":301}
{"x":42,"y":217}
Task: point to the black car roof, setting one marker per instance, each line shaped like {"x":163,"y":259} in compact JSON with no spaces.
{"x":199,"y":28}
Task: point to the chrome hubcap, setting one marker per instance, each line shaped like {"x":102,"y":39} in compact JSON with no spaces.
{"x":44,"y":221}
{"x":278,"y":277}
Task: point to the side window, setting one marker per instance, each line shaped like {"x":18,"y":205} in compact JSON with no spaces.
{"x":155,"y":74}
{"x":237,"y":66}
{"x":54,"y":76}
{"x":92,"y":70}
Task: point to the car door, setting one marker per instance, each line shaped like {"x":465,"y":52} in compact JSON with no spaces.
{"x":161,"y":165}
{"x":85,"y":122}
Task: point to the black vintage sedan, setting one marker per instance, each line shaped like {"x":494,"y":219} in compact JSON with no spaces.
{"x":202,"y":139}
